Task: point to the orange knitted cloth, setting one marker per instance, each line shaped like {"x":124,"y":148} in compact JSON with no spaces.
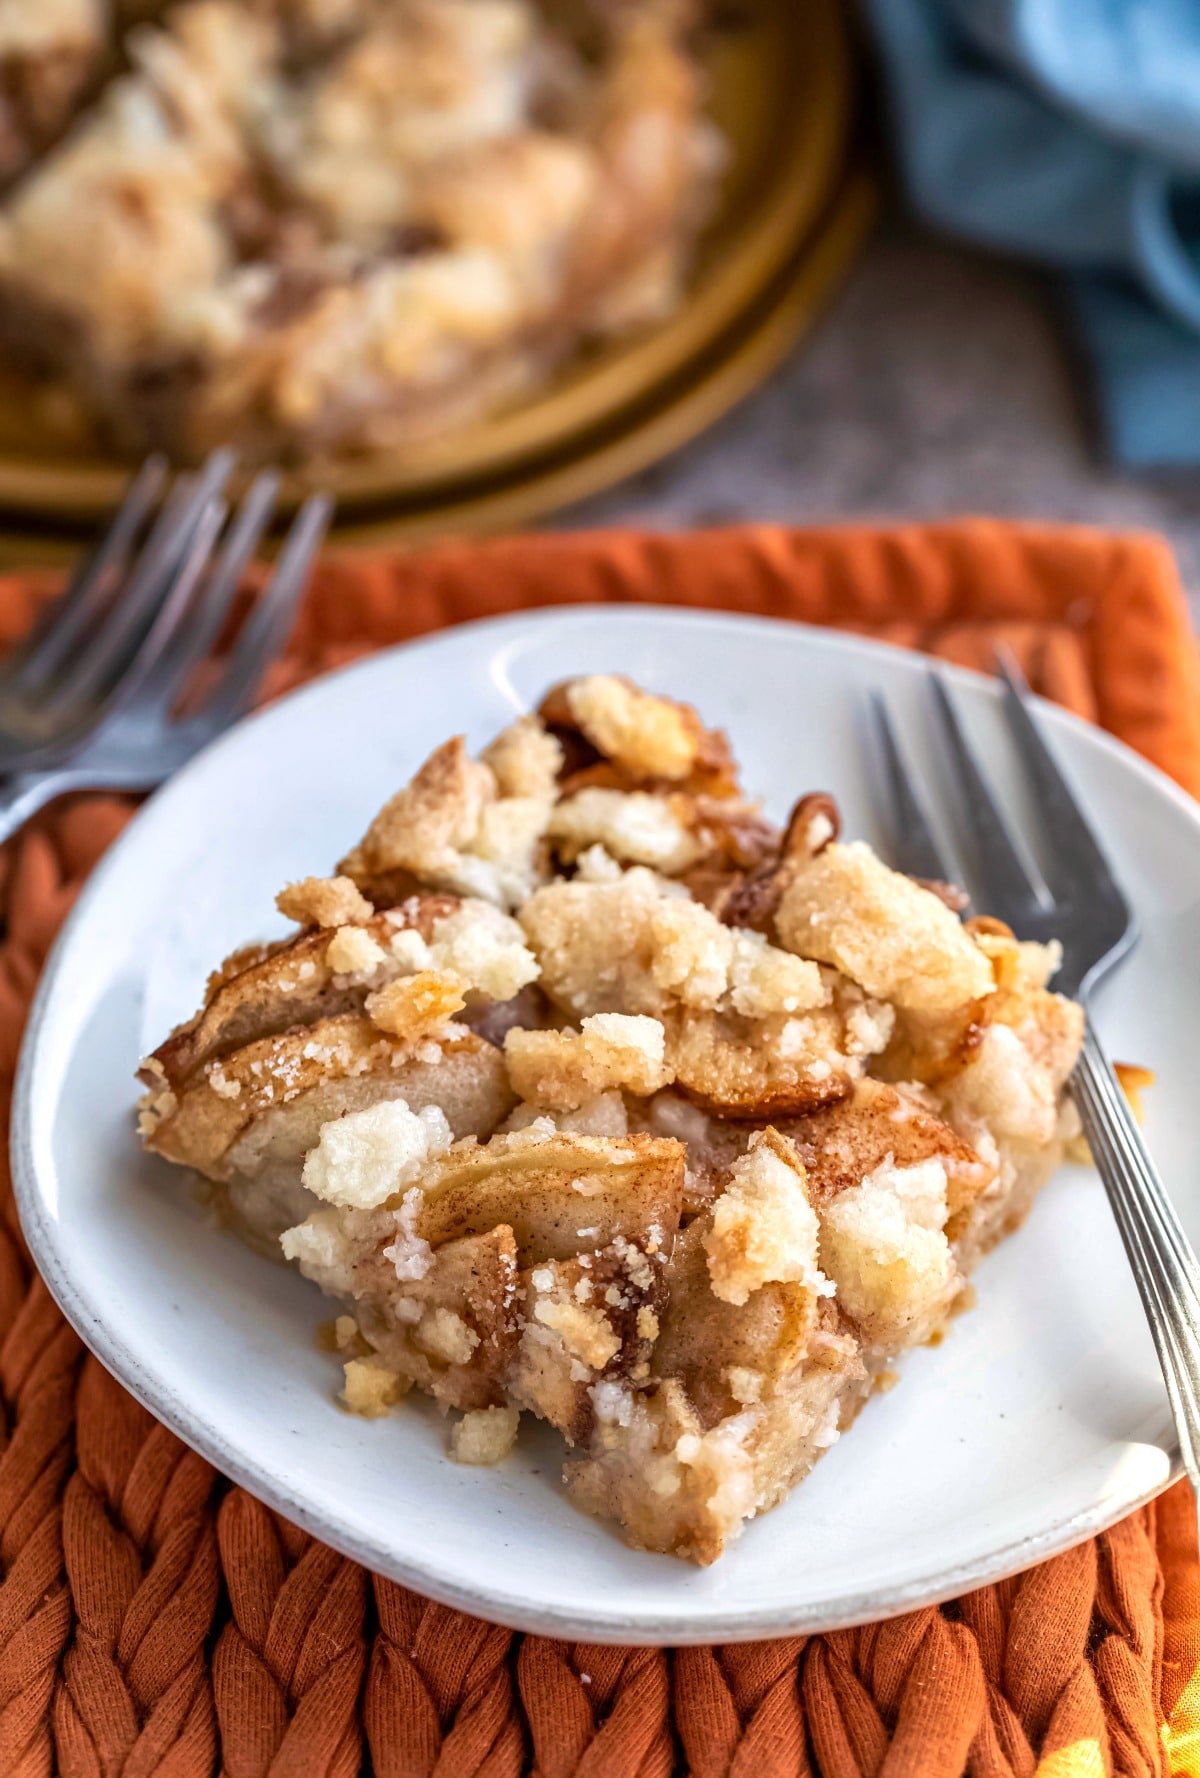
{"x":157,"y":1623}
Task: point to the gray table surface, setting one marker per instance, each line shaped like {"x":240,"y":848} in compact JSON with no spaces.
{"x":938,"y":382}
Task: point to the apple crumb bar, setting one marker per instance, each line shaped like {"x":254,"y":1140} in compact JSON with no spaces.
{"x":590,"y":1094}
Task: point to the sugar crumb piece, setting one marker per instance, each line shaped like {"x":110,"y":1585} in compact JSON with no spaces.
{"x":764,"y":980}
{"x":221,"y":1084}
{"x":745,"y":1385}
{"x":410,"y":1254}
{"x":612,"y":1052}
{"x":324,"y":901}
{"x":764,"y":1228}
{"x":613,"y":1403}
{"x":634,"y":826}
{"x":585,"y":1332}
{"x":371,"y":1387}
{"x":649,"y":735}
{"x":157,"y":1103}
{"x":884,"y":1246}
{"x":592,"y":939}
{"x":455,"y":827}
{"x":595,"y":865}
{"x":484,"y":950}
{"x":446,"y":1336}
{"x":705,"y":964}
{"x":485,"y":1435}
{"x":413,"y":1006}
{"x":424,"y":826}
{"x":818,"y":832}
{"x":869,"y":1027}
{"x":888,"y":934}
{"x":692,"y":953}
{"x":363,"y":1158}
{"x":351,"y":951}
{"x":636,"y":1264}
{"x":410,"y":950}
{"x":525,"y":759}
{"x":504,"y":861}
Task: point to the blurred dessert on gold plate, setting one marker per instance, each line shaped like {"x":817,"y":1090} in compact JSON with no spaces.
{"x":50,"y":52}
{"x":330,"y":225}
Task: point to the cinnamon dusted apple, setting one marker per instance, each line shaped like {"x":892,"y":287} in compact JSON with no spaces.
{"x":583,"y":1108}
{"x":337,"y":1019}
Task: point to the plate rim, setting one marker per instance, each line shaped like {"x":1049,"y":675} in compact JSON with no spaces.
{"x":721,"y":1623}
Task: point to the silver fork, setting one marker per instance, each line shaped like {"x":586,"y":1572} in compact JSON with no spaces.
{"x":122,"y":597}
{"x":1078,"y":900}
{"x":89,"y":700}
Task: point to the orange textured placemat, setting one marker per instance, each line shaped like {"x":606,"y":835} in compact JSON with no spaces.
{"x":157,"y":1623}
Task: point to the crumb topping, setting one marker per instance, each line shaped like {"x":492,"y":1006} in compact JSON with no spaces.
{"x":371,"y":1388}
{"x":632,"y":826}
{"x":565,"y":1070}
{"x":354,"y":952}
{"x":454,"y":828}
{"x":895,"y":939}
{"x":323,"y":901}
{"x":485,"y":1435}
{"x":446,"y":1336}
{"x":650,"y":736}
{"x":884,"y":1246}
{"x":585,"y":1332}
{"x":525,"y":760}
{"x":416,"y":1006}
{"x":764,"y":1229}
{"x":484,"y":949}
{"x":427,"y":824}
{"x":366,"y":1157}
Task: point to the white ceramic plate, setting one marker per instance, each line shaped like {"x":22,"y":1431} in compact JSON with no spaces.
{"x":1038,"y":1421}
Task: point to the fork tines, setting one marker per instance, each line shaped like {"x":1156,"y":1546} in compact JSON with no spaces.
{"x":1071,"y":884}
{"x":147,"y":605}
{"x":914,"y":846}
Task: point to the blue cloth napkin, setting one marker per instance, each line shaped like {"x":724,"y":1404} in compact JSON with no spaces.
{"x":1069,"y":131}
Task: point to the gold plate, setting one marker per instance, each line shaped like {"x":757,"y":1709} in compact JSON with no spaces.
{"x":600,"y":460}
{"x":782,"y":97}
{"x":733,"y":372}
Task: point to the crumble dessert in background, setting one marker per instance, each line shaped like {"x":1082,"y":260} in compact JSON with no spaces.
{"x":51,"y":51}
{"x":320,"y":226}
{"x":590,"y":1094}
{"x":54,"y":56}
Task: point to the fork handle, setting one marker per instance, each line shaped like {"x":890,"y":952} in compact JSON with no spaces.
{"x":25,"y":794}
{"x":1160,"y":1255}
{"x":22,"y":796}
